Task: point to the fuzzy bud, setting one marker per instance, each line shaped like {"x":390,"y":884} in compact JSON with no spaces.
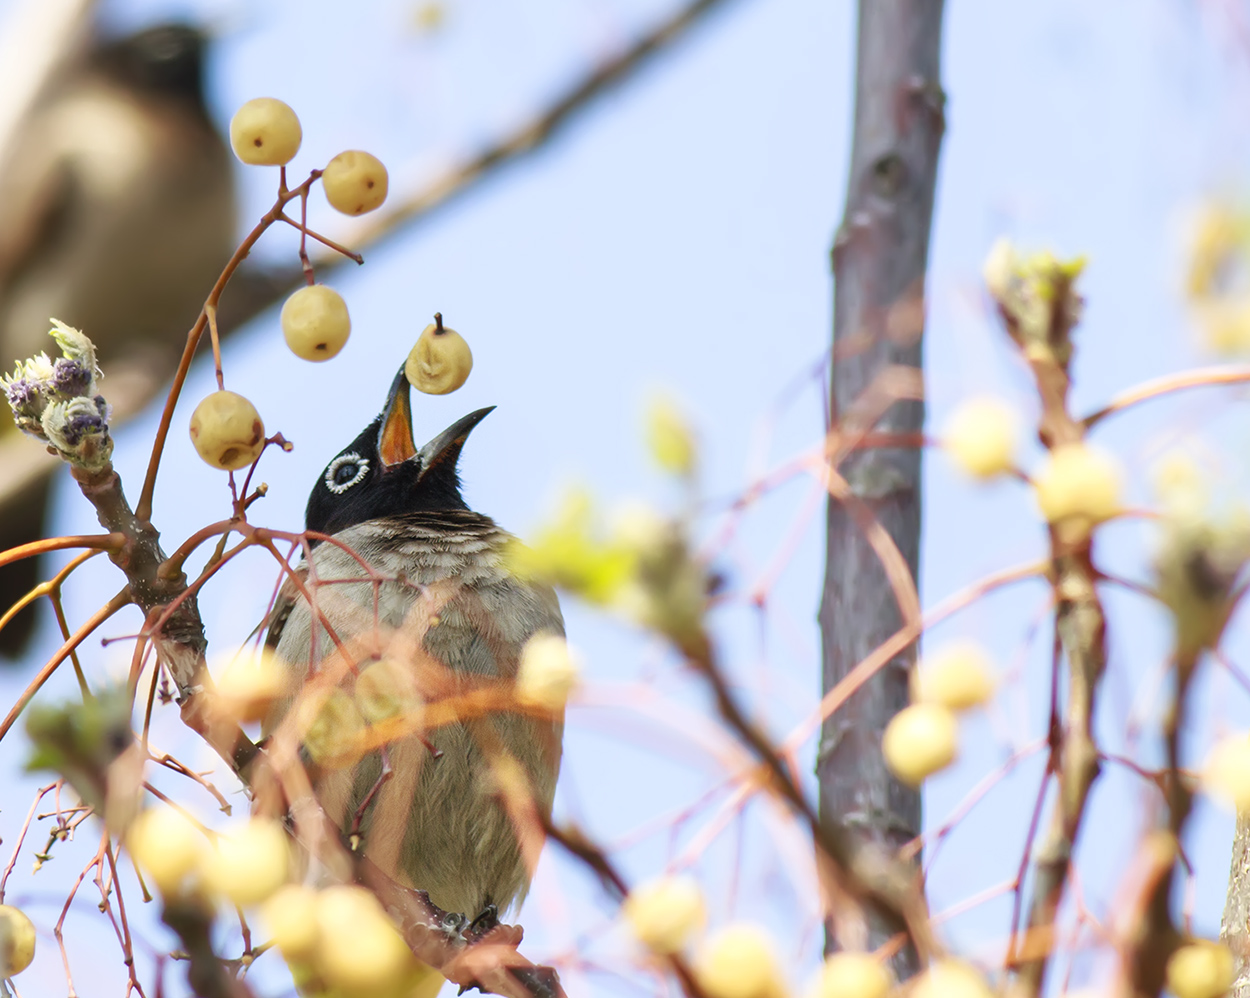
{"x":79,"y":430}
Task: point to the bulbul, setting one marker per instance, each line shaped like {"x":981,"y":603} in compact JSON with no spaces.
{"x":416,"y":585}
{"x":117,"y":214}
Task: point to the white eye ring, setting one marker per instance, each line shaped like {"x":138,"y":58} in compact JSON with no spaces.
{"x":351,"y":457}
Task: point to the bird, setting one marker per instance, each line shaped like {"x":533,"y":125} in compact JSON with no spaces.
{"x":449,"y":616}
{"x":117,"y":215}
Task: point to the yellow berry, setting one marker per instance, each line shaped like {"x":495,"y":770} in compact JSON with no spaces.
{"x":265,"y":132}
{"x":17,"y":941}
{"x":227,"y":431}
{"x":981,"y":437}
{"x":354,"y":182}
{"x":547,"y":672}
{"x":290,"y":915}
{"x":315,"y":322}
{"x":1227,"y":771}
{"x":330,"y":738}
{"x":919,"y":741}
{"x":1078,"y":483}
{"x":663,"y":914}
{"x":358,"y":947}
{"x":167,"y":845}
{"x":738,"y":962}
{"x":957,"y":677}
{"x":248,"y":864}
{"x":951,"y":979}
{"x":250,"y":683}
{"x":388,"y":689}
{"x":440,"y":361}
{"x":1200,"y":969}
{"x":853,"y":975}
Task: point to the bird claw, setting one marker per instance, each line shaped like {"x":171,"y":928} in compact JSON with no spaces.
{"x":486,"y":920}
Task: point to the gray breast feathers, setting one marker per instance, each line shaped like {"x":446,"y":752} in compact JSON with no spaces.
{"x":435,"y":600}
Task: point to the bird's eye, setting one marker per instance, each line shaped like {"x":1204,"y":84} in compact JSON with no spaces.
{"x":345,"y":471}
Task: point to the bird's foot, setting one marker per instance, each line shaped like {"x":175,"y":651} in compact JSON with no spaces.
{"x":455,"y":926}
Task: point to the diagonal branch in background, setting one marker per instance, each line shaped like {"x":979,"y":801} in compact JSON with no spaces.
{"x":254,"y":289}
{"x":879,"y":259}
{"x":259,"y":291}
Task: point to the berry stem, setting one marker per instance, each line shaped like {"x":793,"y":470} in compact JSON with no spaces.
{"x":143,"y":511}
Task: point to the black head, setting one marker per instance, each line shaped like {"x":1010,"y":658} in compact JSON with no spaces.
{"x":383,"y":473}
{"x":165,"y":59}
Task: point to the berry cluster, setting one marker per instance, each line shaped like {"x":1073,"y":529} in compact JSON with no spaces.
{"x":226,"y":429}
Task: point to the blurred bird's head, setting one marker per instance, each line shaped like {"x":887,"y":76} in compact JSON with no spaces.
{"x":165,"y":59}
{"x":383,"y":473}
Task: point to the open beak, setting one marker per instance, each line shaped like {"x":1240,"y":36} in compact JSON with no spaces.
{"x":446,"y":446}
{"x":395,"y":443}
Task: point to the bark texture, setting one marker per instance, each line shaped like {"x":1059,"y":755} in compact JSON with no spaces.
{"x":879,"y":258}
{"x":1235,"y":929}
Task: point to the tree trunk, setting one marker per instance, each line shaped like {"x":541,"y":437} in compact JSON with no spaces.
{"x":1236,"y":925}
{"x":879,"y":258}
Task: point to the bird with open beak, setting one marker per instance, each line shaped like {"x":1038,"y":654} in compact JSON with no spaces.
{"x":412,"y":603}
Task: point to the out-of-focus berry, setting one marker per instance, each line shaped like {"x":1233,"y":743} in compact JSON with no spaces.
{"x":852,"y":975}
{"x":330,"y":739}
{"x":249,"y":863}
{"x":547,"y":672}
{"x":664,"y":913}
{"x":951,"y":979}
{"x":1078,"y":484}
{"x":167,"y":846}
{"x":290,"y":914}
{"x":739,"y":962}
{"x":981,"y":437}
{"x":958,"y":677}
{"x":919,"y":741}
{"x":387,"y":689}
{"x":17,"y":941}
{"x":1227,"y":771}
{"x":358,"y":947}
{"x":250,"y":683}
{"x":1200,"y":969}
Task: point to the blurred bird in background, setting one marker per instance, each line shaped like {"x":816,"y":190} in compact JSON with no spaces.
{"x":432,"y":814}
{"x":117,"y":213}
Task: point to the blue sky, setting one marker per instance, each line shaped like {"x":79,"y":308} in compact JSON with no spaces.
{"x":676,"y":239}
